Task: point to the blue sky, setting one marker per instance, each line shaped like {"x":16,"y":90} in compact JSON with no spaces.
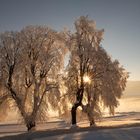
{"x":119,"y":18}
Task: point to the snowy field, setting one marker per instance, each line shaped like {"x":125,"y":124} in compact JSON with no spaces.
{"x":106,"y":134}
{"x":123,"y":126}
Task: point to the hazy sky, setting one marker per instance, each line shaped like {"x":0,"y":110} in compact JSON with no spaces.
{"x":119,"y":18}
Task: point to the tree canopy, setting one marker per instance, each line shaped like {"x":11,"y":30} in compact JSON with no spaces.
{"x":106,"y":78}
{"x":30,"y":64}
{"x":34,"y":78}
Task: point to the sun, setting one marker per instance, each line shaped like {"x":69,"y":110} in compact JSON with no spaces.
{"x":86,"y":79}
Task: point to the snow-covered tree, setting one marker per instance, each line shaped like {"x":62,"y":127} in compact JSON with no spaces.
{"x":107,"y":83}
{"x":92,"y":76}
{"x":30,"y":63}
{"x":31,"y":68}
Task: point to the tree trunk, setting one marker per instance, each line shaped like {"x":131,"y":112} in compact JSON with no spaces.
{"x":31,"y":125}
{"x":88,"y":110}
{"x":91,"y":117}
{"x":79,"y":97}
{"x":92,"y":122}
{"x":73,"y":113}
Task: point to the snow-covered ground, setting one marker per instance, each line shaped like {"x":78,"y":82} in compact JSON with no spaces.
{"x":106,"y":134}
{"x":110,"y":128}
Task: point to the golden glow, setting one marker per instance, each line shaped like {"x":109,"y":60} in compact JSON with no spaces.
{"x":86,"y":79}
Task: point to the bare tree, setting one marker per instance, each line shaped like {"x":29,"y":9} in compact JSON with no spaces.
{"x":31,"y":61}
